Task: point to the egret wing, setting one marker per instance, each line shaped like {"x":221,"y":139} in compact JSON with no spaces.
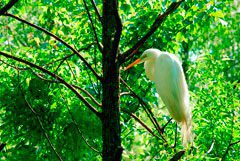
{"x":171,"y":86}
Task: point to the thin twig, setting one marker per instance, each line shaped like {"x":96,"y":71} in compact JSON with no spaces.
{"x":42,"y":127}
{"x":61,"y":80}
{"x":163,"y":128}
{"x":57,"y":38}
{"x":177,"y":156}
{"x":76,"y":125}
{"x":159,"y":20}
{"x":175,"y":139}
{"x":231,"y":138}
{"x":17,"y":68}
{"x":83,"y":90}
{"x":92,"y":83}
{"x":61,"y":59}
{"x":96,"y":11}
{"x":75,"y":86}
{"x":141,"y":123}
{"x":88,"y":94}
{"x":93,"y":27}
{"x":147,"y":110}
{"x":70,"y":55}
{"x":55,"y":81}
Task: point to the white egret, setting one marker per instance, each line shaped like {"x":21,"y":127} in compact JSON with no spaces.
{"x":166,"y":71}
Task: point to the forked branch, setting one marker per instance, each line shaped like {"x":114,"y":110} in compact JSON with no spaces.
{"x":77,"y":127}
{"x":93,"y":28}
{"x":57,"y":38}
{"x":42,"y":127}
{"x":147,"y":110}
{"x":61,"y":80}
{"x":96,"y":11}
{"x":141,"y":123}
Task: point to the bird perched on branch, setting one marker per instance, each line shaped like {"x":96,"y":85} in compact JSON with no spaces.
{"x":166,"y":71}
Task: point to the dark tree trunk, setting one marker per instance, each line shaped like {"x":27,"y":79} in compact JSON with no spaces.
{"x":112,"y":150}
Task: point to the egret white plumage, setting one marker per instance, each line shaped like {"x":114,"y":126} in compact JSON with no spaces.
{"x":166,"y":71}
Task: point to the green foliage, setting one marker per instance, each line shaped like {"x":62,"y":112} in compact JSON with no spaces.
{"x":204,"y":34}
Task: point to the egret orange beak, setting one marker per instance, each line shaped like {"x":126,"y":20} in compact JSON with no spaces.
{"x":133,"y":63}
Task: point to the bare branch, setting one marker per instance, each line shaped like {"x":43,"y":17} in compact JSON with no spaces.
{"x":93,"y":28}
{"x":159,"y":20}
{"x":8,"y":6}
{"x":61,"y":80}
{"x":57,"y":38}
{"x":61,"y":59}
{"x":70,"y":55}
{"x":76,"y":125}
{"x":166,"y":124}
{"x":125,"y":93}
{"x":231,"y":138}
{"x":88,"y":94}
{"x":141,"y":123}
{"x":96,"y":10}
{"x":175,"y":139}
{"x":177,"y":156}
{"x":146,"y":109}
{"x":83,"y":90}
{"x":17,"y":68}
{"x":2,"y":145}
{"x":228,"y":148}
{"x":75,"y":86}
{"x":42,"y":127}
{"x":235,"y":143}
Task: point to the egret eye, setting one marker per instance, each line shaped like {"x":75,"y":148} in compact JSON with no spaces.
{"x":143,"y":56}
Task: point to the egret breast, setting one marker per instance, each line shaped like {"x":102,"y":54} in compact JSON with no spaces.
{"x":150,"y":69}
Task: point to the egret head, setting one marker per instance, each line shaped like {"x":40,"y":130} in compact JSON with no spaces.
{"x":147,"y":55}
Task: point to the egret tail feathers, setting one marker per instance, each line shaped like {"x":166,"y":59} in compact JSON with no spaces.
{"x":186,"y":133}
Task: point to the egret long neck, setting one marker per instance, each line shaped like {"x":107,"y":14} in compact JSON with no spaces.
{"x":149,"y":69}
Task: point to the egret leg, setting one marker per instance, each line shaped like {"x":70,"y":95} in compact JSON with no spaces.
{"x":175,"y":140}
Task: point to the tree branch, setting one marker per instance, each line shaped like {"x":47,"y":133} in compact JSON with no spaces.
{"x":70,"y":55}
{"x":228,"y":148}
{"x":2,"y":145}
{"x":75,"y":86}
{"x":159,"y":20}
{"x":231,"y":138}
{"x":76,"y":125}
{"x":17,"y":68}
{"x":96,"y":10}
{"x":59,"y":39}
{"x":175,"y":139}
{"x":163,"y":128}
{"x":8,"y":6}
{"x":61,"y":80}
{"x":83,"y":90}
{"x":177,"y":156}
{"x":43,"y":129}
{"x":146,"y":109}
{"x":93,"y":28}
{"x":140,"y":122}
